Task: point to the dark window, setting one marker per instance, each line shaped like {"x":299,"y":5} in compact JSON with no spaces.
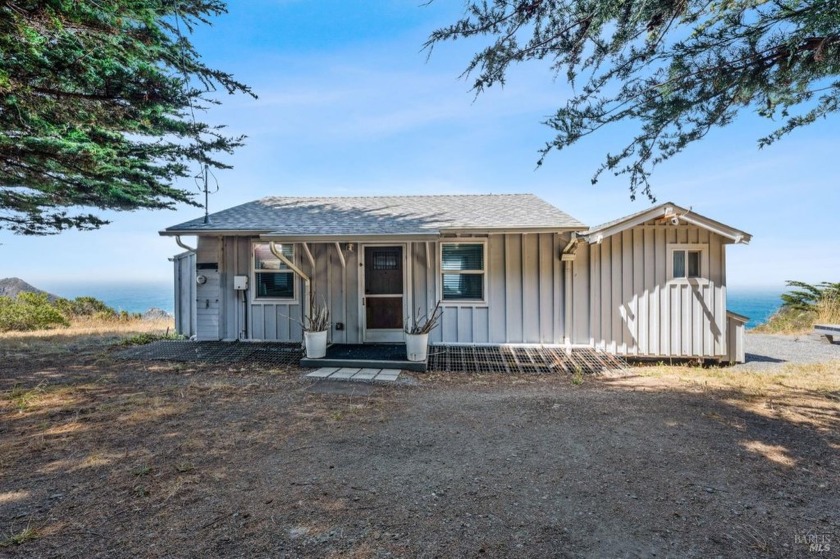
{"x":462,"y":268}
{"x":272,"y":277}
{"x":463,"y":257}
{"x":276,"y":285}
{"x":385,"y":260}
{"x":687,"y":264}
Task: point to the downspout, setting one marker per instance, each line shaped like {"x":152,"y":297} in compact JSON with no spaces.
{"x":307,"y":287}
{"x":568,"y":258}
{"x":182,"y":245}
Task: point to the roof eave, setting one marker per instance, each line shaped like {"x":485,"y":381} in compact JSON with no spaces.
{"x":511,"y":230}
{"x":596,"y":235}
{"x":278,"y":236}
{"x":213,"y":232}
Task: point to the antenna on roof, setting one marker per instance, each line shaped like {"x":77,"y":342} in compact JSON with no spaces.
{"x":201,"y":180}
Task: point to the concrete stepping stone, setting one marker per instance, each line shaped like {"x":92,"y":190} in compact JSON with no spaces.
{"x":323,"y":372}
{"x":366,"y":374}
{"x":344,"y":373}
{"x":388,"y":375}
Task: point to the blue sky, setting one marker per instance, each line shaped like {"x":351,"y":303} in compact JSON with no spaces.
{"x":349,"y":105}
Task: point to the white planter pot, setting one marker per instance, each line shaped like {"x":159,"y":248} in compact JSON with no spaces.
{"x":316,"y":344}
{"x":416,"y":346}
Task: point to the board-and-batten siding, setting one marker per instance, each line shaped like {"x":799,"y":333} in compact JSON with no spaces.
{"x":524,"y":299}
{"x":271,"y":320}
{"x":185,"y":298}
{"x":208,"y":294}
{"x":635,"y":309}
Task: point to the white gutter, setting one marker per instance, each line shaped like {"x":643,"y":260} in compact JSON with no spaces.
{"x":182,"y":245}
{"x":307,"y":283}
{"x":568,"y":258}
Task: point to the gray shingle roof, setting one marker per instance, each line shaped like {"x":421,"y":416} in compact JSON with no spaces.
{"x":384,"y":215}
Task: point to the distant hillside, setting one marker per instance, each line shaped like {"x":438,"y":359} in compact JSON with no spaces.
{"x":10,"y":287}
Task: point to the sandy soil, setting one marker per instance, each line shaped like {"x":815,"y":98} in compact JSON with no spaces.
{"x":103,"y":458}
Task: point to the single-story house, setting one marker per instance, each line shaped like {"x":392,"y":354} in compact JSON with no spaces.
{"x":507,"y":269}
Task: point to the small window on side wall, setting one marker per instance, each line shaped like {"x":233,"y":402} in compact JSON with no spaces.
{"x":272,"y":278}
{"x":687,"y":263}
{"x":462,"y":272}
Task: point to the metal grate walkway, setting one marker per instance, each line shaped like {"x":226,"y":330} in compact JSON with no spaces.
{"x":469,"y":359}
{"x":522,"y":359}
{"x":264,"y":353}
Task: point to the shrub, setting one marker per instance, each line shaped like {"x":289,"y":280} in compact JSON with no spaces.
{"x":85,"y":307}
{"x":29,"y":311}
{"x":149,"y":337}
{"x":34,"y":311}
{"x":810,"y":297}
{"x":805,"y":306}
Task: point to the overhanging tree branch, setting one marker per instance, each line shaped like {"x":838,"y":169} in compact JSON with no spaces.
{"x":677,"y":68}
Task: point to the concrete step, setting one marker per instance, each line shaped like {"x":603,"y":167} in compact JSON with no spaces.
{"x":419,"y":366}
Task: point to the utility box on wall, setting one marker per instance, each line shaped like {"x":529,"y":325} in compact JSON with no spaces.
{"x":240,"y":283}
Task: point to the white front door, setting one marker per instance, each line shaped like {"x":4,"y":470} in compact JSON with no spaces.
{"x":383,"y":289}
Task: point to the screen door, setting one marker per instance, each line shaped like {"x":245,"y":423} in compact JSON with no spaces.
{"x":383,"y":293}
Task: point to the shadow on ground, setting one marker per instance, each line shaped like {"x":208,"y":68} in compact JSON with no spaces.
{"x":105,"y":457}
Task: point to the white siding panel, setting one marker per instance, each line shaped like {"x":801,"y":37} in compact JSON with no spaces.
{"x":634,"y":309}
{"x":530,"y":288}
{"x":449,"y":324}
{"x":513,"y":288}
{"x":547,"y":310}
{"x":480,"y":325}
{"x":616,"y":302}
{"x":628,"y":326}
{"x":464,"y":324}
{"x":496,"y":281}
{"x":581,"y":305}
{"x":595,"y":290}
{"x":605,"y":335}
{"x":185,"y":294}
{"x":558,"y":290}
{"x":207,"y":307}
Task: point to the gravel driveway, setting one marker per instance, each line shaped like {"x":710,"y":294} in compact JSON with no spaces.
{"x":772,"y":351}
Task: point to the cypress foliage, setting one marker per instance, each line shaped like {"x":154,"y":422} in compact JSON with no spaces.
{"x":96,"y":108}
{"x":671,"y":70}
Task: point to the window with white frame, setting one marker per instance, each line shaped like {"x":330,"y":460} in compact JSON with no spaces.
{"x":686,"y":262}
{"x":273,"y":279}
{"x":462,"y":266}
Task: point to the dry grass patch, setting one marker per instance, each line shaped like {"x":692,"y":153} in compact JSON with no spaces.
{"x":92,"y":332}
{"x":801,"y":393}
{"x":44,"y":396}
{"x":29,"y":533}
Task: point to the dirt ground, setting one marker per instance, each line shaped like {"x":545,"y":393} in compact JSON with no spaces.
{"x":105,"y":458}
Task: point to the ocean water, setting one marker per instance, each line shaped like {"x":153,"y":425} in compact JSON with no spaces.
{"x":123,"y":296}
{"x":756,"y":303}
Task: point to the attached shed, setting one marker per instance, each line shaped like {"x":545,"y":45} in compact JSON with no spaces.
{"x":657,"y":284}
